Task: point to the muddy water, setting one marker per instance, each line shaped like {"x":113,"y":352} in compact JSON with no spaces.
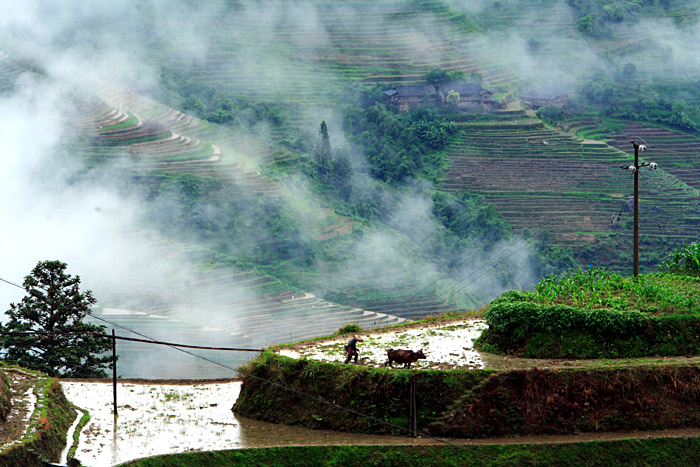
{"x":167,"y":418}
{"x":162,"y":419}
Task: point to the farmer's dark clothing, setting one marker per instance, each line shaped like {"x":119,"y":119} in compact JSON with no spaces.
{"x":351,"y":349}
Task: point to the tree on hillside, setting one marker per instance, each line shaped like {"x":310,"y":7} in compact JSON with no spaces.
{"x":452,"y":98}
{"x":322,"y":153}
{"x":439,"y":76}
{"x":55,"y":305}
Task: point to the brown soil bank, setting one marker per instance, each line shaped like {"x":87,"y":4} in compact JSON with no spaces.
{"x":45,"y":437}
{"x":470,"y":403}
{"x":5,"y":397}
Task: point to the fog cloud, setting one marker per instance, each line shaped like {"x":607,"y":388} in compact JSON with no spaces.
{"x":282,"y":52}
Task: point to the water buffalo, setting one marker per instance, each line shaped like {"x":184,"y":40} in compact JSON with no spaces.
{"x":403,"y":356}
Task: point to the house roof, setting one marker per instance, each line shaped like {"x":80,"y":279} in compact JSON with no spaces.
{"x":412,"y":91}
{"x":464,"y":89}
{"x":547,"y":93}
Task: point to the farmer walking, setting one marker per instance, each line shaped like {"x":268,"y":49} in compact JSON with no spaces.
{"x":351,"y":348}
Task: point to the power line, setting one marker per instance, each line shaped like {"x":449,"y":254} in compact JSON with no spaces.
{"x":286,"y":388}
{"x":11,"y":283}
{"x":123,"y":338}
{"x":487,"y":269}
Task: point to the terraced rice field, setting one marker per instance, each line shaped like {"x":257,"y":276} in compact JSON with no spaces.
{"x":222,"y":308}
{"x":543,"y":178}
{"x":303,"y":53}
{"x":127,"y":134}
{"x":677,"y":153}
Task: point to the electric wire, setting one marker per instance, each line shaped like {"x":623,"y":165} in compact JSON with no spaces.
{"x":484,"y":271}
{"x":11,"y":283}
{"x":302,"y":393}
{"x":124,"y":338}
{"x":487,"y":269}
{"x":448,"y":274}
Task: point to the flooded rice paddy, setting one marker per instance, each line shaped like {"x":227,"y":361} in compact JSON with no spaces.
{"x":185,"y":416}
{"x":161,"y":419}
{"x":449,"y":345}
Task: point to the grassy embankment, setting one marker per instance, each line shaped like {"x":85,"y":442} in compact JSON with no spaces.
{"x":471,"y":403}
{"x":629,"y":452}
{"x":45,"y":436}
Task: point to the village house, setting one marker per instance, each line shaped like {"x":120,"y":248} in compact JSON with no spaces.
{"x":546,"y":96}
{"x":407,"y":97}
{"x":471,"y":96}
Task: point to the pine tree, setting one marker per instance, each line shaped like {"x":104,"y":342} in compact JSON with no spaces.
{"x":55,"y":305}
{"x":322,"y":154}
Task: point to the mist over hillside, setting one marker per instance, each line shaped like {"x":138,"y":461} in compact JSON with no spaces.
{"x":253,"y":81}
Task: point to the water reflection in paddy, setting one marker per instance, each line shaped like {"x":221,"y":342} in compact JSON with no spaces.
{"x":161,"y":419}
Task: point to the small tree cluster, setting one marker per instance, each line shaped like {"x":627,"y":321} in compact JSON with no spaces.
{"x":331,"y":169}
{"x":439,"y":76}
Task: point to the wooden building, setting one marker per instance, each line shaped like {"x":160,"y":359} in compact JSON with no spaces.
{"x":546,"y":96}
{"x":472,"y":96}
{"x":408,"y":97}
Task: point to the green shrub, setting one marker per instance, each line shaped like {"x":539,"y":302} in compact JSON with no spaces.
{"x":685,"y":260}
{"x":349,"y":329}
{"x":571,"y":316}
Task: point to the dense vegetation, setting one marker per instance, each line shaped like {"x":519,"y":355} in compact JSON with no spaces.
{"x":215,"y":105}
{"x":596,"y":17}
{"x":625,"y":95}
{"x":399,"y":146}
{"x":600,"y":314}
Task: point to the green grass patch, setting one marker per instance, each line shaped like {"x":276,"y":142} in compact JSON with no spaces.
{"x":598,"y":314}
{"x":628,"y":452}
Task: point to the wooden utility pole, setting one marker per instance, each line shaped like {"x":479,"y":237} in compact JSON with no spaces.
{"x":114,"y":372}
{"x":635,"y":170}
{"x":412,"y":411}
{"x":635,"y":235}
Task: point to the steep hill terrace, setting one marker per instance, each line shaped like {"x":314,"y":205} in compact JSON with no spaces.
{"x":378,"y":286}
{"x":116,"y":136}
{"x":384,"y":41}
{"x":540,"y":178}
{"x":229,"y":309}
{"x":630,"y":41}
{"x":520,"y":16}
{"x":543,"y":36}
{"x":246,"y":148}
{"x":677,"y":153}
